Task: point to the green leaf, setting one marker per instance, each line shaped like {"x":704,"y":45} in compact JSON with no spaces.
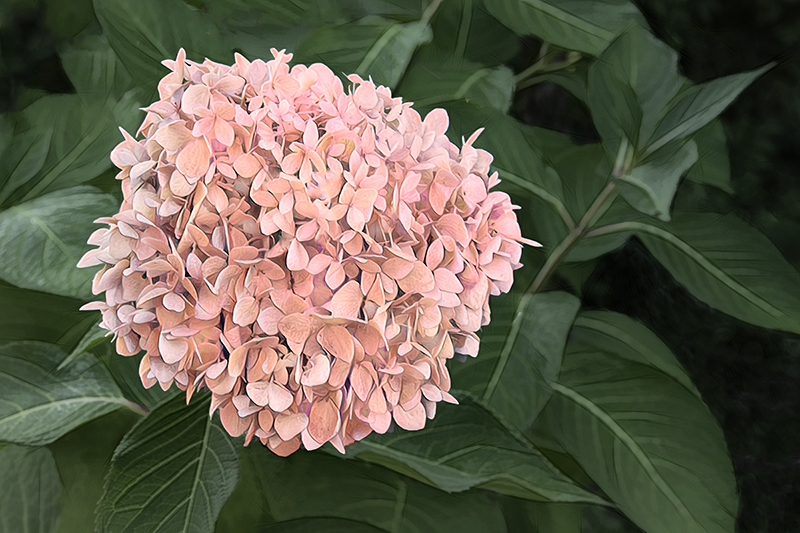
{"x":697,"y":105}
{"x":147,"y":32}
{"x":32,"y":315}
{"x":125,"y":371}
{"x":82,"y":458}
{"x":464,"y":31}
{"x":93,"y":336}
{"x":61,"y":141}
{"x":328,"y":525}
{"x":728,"y":264}
{"x":584,"y":25}
{"x":519,"y":386}
{"x":39,"y":404}
{"x":713,"y":166}
{"x":465,"y":447}
{"x":171,"y":473}
{"x":30,"y":492}
{"x":630,"y":85}
{"x":366,"y":494}
{"x":651,"y":185}
{"x":532,"y":517}
{"x":627,"y":338}
{"x":94,"y":69}
{"x":43,"y":239}
{"x":650,"y":444}
{"x":372,"y":46}
{"x":429,"y":83}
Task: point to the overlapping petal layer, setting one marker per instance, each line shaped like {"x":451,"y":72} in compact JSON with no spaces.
{"x":312,"y":256}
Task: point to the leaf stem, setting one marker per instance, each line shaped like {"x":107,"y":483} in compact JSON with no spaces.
{"x":135,"y":407}
{"x":543,"y":65}
{"x":430,"y":11}
{"x":560,"y":251}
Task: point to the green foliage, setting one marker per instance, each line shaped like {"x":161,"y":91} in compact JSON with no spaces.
{"x":177,"y":484}
{"x":29,"y":494}
{"x":43,"y":239}
{"x":564,"y":412}
{"x":41,"y":404}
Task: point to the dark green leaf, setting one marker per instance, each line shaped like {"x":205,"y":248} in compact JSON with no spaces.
{"x":728,"y":264}
{"x":328,"y":525}
{"x":82,"y":458}
{"x":627,"y":338}
{"x":61,"y":141}
{"x":519,"y":386}
{"x":713,"y":166}
{"x":650,"y":444}
{"x":532,"y":517}
{"x":466,"y":446}
{"x":464,"y":31}
{"x":146,"y":32}
{"x":430,"y":83}
{"x":630,"y":85}
{"x":30,"y":491}
{"x":651,"y":185}
{"x":93,"y":336}
{"x":32,"y":315}
{"x":39,"y":404}
{"x":372,"y":46}
{"x":94,"y":69}
{"x":583,"y":25}
{"x":171,"y":473}
{"x":317,"y":485}
{"x":43,"y":239}
{"x":697,"y":105}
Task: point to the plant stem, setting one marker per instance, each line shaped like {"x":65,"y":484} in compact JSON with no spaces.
{"x":135,"y":407}
{"x":543,"y":65}
{"x":430,"y":11}
{"x":560,"y":251}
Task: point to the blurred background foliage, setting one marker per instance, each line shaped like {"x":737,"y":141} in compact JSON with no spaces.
{"x":747,"y":375}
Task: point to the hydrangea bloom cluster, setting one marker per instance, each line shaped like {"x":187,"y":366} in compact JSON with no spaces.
{"x":312,"y":256}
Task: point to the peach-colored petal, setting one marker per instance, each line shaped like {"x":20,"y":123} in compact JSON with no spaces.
{"x":193,"y":159}
{"x":346,"y":302}
{"x":289,"y":426}
{"x":323,"y":420}
{"x":246,"y":311}
{"x":412,"y":419}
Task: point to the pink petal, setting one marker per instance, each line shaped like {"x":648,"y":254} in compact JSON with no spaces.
{"x":323,"y":421}
{"x":412,"y":420}
{"x":289,"y":426}
{"x":346,"y":303}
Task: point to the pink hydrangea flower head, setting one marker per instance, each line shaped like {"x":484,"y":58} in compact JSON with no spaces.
{"x":312,"y":256}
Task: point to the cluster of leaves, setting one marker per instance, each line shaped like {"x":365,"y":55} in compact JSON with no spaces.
{"x":566,"y":414}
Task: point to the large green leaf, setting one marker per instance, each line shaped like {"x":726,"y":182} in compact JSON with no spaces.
{"x":726,"y":263}
{"x":38,"y":404}
{"x":43,"y":239}
{"x":372,"y":46}
{"x":464,"y":31}
{"x":61,"y":141}
{"x":171,"y":473}
{"x":94,"y":69}
{"x":649,"y":443}
{"x":82,"y":458}
{"x":146,"y":32}
{"x":697,"y":105}
{"x":627,"y":338}
{"x":583,"y":25}
{"x":32,"y":315}
{"x":429,"y":83}
{"x":29,"y":492}
{"x":466,"y":446}
{"x":630,"y":85}
{"x":651,"y":185}
{"x":317,"y":485}
{"x":713,"y":166}
{"x":519,"y":386}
